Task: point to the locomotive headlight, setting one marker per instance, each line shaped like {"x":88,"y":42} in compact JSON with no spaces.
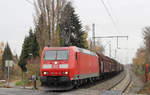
{"x":44,"y":73}
{"x":65,"y":73}
{"x":63,"y":66}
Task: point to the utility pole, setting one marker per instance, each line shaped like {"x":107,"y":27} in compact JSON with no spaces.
{"x":110,"y":50}
{"x":115,"y":53}
{"x":34,"y":77}
{"x":8,"y":74}
{"x":93,"y":28}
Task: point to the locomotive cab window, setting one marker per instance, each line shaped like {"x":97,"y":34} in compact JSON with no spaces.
{"x":62,"y":55}
{"x":50,"y":55}
{"x":56,"y":55}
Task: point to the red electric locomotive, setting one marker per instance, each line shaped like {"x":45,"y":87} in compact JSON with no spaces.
{"x":67,"y":66}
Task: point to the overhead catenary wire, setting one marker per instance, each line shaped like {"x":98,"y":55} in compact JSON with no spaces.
{"x":111,"y":9}
{"x":109,"y":14}
{"x":30,"y":2}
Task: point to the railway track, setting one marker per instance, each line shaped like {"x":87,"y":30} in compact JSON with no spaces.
{"x":129,"y":83}
{"x":110,"y":88}
{"x":121,"y":86}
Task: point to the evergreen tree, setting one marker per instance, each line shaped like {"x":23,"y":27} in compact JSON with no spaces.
{"x":34,"y":46}
{"x":24,"y":55}
{"x":7,"y":55}
{"x":30,"y":46}
{"x":71,"y":28}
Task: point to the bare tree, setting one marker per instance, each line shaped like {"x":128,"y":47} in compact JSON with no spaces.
{"x":99,"y":48}
{"x":47,"y":17}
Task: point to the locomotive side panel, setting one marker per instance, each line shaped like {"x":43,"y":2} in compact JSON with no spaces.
{"x":87,"y":66}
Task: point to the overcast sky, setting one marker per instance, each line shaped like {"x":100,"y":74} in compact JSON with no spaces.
{"x":131,"y":16}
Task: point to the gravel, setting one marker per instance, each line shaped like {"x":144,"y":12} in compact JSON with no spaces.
{"x":98,"y":88}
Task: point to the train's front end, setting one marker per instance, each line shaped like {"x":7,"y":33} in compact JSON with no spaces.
{"x":56,"y":67}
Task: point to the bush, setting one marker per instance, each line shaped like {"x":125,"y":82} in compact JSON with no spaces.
{"x":139,"y":72}
{"x":19,"y":83}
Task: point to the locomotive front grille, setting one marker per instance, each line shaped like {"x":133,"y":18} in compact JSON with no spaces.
{"x":57,"y":78}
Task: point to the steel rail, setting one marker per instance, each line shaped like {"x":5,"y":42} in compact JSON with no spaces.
{"x":117,"y":83}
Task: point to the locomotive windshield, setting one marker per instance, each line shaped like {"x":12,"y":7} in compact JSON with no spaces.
{"x":56,"y":55}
